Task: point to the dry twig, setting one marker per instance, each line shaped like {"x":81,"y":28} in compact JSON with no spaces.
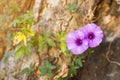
{"x":113,"y":62}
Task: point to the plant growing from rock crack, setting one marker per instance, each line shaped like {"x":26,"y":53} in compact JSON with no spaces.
{"x":42,"y":41}
{"x":77,"y":42}
{"x":27,"y":70}
{"x":72,"y":7}
{"x":47,"y":68}
{"x":61,"y":38}
{"x":22,"y":26}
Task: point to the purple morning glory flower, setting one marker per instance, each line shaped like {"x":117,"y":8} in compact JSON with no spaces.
{"x":93,"y":34}
{"x":76,"y":42}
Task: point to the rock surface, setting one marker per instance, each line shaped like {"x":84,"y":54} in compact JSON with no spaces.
{"x":103,"y":64}
{"x":54,"y":16}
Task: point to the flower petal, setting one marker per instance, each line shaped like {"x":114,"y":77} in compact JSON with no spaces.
{"x":71,"y":37}
{"x":79,"y":34}
{"x":98,"y":34}
{"x":71,"y":45}
{"x":71,"y":42}
{"x":95,"y":42}
{"x":89,"y":27}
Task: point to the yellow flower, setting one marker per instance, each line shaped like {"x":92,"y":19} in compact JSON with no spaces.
{"x":31,"y":33}
{"x":19,"y":36}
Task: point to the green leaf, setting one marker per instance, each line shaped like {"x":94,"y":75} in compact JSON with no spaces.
{"x":46,"y":68}
{"x":27,"y":51}
{"x":19,"y":52}
{"x":62,"y":78}
{"x":6,"y":56}
{"x":34,"y":41}
{"x":61,"y":36}
{"x":45,"y":71}
{"x":78,"y":62}
{"x":73,"y":69}
{"x":27,"y":18}
{"x":23,"y":20}
{"x":72,"y":7}
{"x":31,"y":67}
{"x":41,"y":47}
{"x":50,"y":42}
{"x":47,"y":33}
{"x":14,"y":23}
{"x":25,"y":71}
{"x":63,"y":46}
{"x":40,"y":37}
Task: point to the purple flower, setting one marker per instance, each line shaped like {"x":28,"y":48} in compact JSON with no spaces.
{"x":76,"y":42}
{"x":93,"y":34}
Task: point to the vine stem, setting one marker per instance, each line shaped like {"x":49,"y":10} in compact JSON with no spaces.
{"x":108,"y":59}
